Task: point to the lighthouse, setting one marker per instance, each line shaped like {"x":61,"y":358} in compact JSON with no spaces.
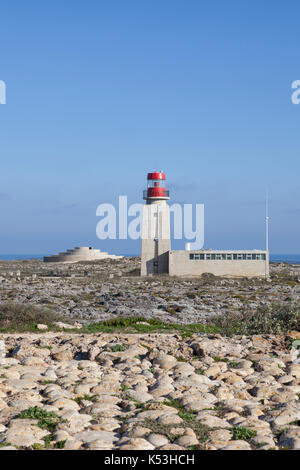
{"x":155,"y":226}
{"x":158,"y":258}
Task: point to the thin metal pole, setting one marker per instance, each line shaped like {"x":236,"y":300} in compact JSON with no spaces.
{"x":267,"y":230}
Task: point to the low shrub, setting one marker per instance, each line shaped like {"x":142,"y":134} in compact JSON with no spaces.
{"x":272,"y":319}
{"x":17,"y":315}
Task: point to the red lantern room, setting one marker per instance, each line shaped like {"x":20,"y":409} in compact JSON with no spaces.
{"x":156,"y":186}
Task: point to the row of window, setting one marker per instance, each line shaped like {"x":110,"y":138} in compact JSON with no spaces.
{"x":228,"y":256}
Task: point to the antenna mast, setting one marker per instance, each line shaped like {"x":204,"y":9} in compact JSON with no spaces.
{"x":267,"y":220}
{"x":267,"y":232}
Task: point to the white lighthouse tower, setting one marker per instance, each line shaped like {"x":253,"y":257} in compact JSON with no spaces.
{"x":156,"y":227}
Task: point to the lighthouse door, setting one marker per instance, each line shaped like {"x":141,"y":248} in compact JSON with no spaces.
{"x":155,"y":261}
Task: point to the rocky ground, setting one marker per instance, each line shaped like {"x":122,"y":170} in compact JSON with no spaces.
{"x":151,"y":391}
{"x":96,"y":291}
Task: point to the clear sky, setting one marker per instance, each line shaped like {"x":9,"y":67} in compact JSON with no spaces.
{"x":99,"y":92}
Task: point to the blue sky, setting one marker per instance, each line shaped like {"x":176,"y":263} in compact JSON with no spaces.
{"x":101,"y":92}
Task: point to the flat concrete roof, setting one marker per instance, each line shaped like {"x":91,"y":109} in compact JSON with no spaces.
{"x":222,"y":251}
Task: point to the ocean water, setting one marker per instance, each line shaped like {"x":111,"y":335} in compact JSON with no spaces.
{"x":276,"y":258}
{"x":20,"y":256}
{"x":292,"y":259}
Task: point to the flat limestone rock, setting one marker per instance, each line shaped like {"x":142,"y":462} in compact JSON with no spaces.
{"x":91,"y":436}
{"x":25,"y":433}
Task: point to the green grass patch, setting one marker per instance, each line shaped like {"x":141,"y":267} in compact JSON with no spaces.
{"x":133,"y":325}
{"x":220,"y":359}
{"x":36,"y":412}
{"x":117,"y":348}
{"x":91,"y":398}
{"x":272,"y":319}
{"x":233,"y":364}
{"x":241,"y":433}
{"x":174,"y":403}
{"x":295,"y":423}
{"x":181,"y":359}
{"x":200,"y":430}
{"x":37,"y":446}
{"x":60,"y":444}
{"x":4,"y":444}
{"x":46,"y":419}
{"x":187,"y":417}
{"x":48,"y":441}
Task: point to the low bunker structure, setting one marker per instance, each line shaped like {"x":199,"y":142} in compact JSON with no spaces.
{"x":80,"y":253}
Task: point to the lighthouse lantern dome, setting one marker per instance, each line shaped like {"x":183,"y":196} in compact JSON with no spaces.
{"x":156,"y":186}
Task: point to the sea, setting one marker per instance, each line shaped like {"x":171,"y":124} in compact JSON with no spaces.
{"x":275,"y":258}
